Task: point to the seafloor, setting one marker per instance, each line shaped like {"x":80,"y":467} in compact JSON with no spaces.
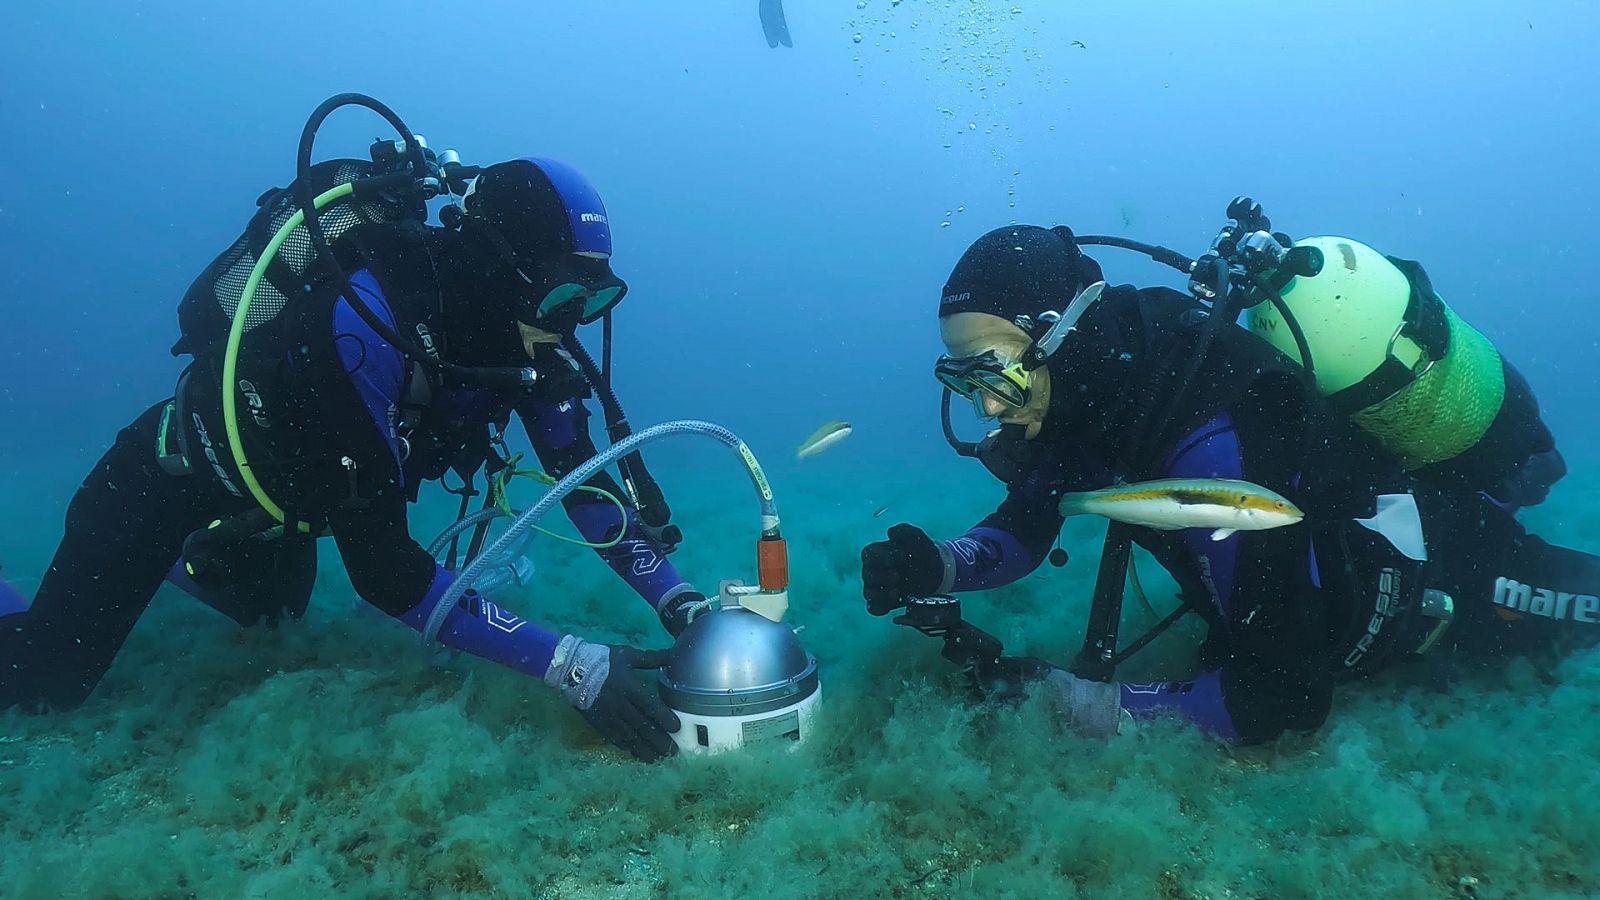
{"x":330,"y":757}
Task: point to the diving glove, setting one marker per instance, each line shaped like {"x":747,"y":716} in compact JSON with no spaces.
{"x":598,"y":680}
{"x":677,"y":611}
{"x":908,"y":564}
{"x":1090,"y":707}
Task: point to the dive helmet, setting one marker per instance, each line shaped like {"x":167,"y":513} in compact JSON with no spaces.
{"x":551,"y":229}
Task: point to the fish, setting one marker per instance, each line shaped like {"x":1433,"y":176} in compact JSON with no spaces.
{"x":1225,"y":505}
{"x":774,"y":24}
{"x":880,"y":510}
{"x":831,"y":432}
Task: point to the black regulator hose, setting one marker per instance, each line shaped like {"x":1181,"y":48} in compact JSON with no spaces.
{"x":650,"y":501}
{"x":1164,"y":255}
{"x":305,"y":198}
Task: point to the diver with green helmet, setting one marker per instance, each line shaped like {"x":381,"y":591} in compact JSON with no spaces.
{"x":1409,"y":543}
{"x":346,"y":352}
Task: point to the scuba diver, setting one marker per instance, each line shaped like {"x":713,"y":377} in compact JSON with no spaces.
{"x":1409,"y":455}
{"x":400,"y":372}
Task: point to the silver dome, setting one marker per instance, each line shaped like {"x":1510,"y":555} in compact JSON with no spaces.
{"x":733,"y":662}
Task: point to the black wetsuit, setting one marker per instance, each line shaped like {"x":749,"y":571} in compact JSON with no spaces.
{"x":346,"y":431}
{"x":1293,"y":610}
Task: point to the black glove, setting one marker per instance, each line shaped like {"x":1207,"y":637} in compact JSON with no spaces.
{"x":907,"y":564}
{"x":677,"y":613}
{"x":598,"y":679}
{"x":1530,"y":484}
{"x":667,"y":536}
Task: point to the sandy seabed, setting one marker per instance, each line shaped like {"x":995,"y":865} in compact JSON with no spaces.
{"x":333,"y":756}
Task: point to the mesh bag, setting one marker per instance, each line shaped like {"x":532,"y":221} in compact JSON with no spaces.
{"x":206,"y":312}
{"x":1447,"y":409}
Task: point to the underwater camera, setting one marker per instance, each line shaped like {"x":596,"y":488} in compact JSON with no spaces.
{"x":980,"y":655}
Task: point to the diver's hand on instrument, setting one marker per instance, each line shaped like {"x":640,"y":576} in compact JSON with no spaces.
{"x":907,"y":564}
{"x":667,"y":536}
{"x":677,"y":612}
{"x":599,"y":680}
{"x":1090,"y":707}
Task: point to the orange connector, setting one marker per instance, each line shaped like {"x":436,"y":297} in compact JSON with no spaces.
{"x":772,"y":563}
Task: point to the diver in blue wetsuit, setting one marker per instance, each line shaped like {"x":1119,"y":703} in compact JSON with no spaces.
{"x":1388,"y":564}
{"x":343,"y":428}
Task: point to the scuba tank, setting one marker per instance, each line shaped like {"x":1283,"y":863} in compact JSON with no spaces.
{"x":1402,"y":365}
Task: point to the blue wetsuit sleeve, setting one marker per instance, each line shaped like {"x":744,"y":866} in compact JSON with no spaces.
{"x":559,"y":433}
{"x":1200,"y":701}
{"x":1009,"y":543}
{"x":390,"y":570}
{"x":984,"y":557}
{"x":377,"y":369}
{"x":483,"y":629}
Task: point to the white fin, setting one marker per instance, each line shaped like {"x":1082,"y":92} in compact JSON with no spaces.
{"x":1222,"y":534}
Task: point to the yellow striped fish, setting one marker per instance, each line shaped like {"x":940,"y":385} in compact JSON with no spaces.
{"x":829,"y":434}
{"x":1223,"y":504}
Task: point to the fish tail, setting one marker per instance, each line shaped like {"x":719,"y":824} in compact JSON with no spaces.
{"x":1074,"y":504}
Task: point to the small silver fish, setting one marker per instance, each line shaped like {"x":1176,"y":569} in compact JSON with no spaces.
{"x":830,"y":433}
{"x":1224,"y":504}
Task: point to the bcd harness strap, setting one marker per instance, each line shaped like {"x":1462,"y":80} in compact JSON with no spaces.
{"x":172,"y":436}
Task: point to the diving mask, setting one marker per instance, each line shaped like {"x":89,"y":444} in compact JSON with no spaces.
{"x":986,"y":374}
{"x":567,"y":290}
{"x":565,"y":299}
{"x":1010,"y":381}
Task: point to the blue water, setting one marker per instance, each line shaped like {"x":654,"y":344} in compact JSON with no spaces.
{"x":786,"y":219}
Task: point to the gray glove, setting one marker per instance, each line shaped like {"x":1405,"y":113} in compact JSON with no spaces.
{"x":598,"y":680}
{"x":1092,"y":707}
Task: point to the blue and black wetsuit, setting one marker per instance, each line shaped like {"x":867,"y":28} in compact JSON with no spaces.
{"x":346,"y":431}
{"x":391,"y":570}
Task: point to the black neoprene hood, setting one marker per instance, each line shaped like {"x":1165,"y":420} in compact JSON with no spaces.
{"x":1018,"y":270}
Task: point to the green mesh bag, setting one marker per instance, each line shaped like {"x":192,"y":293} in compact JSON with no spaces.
{"x":1448,"y":408}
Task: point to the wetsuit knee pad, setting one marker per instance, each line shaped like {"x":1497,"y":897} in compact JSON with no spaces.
{"x":255,"y":581}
